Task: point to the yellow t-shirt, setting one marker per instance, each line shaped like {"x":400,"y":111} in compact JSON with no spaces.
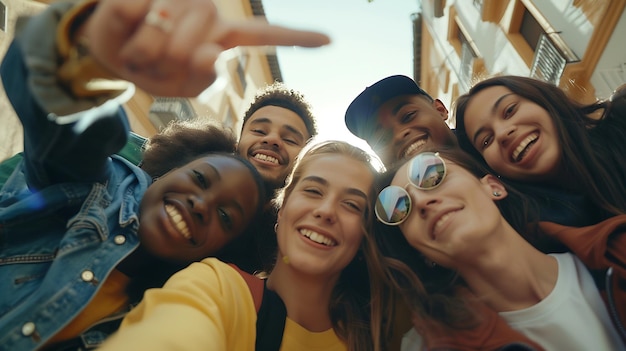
{"x":297,"y":337}
{"x":206,"y":306}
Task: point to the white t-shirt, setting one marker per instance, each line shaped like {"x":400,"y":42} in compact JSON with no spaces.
{"x":572,"y":317}
{"x":412,"y":341}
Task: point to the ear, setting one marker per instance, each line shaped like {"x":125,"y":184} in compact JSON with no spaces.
{"x":439,"y":106}
{"x":496,"y":190}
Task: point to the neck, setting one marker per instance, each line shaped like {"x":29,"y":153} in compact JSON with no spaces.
{"x":307,"y":298}
{"x":510,"y":274}
{"x":139,"y":262}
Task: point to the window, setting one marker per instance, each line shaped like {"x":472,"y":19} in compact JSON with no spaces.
{"x":530,"y":30}
{"x":537,"y":43}
{"x":237,"y":71}
{"x":525,"y":28}
{"x":241,"y":71}
{"x":465,"y":48}
{"x":3,"y":16}
{"x":551,"y":56}
{"x":458,"y":37}
{"x":166,"y":109}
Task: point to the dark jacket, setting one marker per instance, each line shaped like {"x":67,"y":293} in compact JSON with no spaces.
{"x":602,"y":248}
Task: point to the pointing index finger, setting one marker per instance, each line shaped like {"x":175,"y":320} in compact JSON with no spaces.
{"x":258,"y":32}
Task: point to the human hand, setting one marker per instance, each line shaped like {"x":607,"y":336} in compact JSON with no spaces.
{"x":169,"y":47}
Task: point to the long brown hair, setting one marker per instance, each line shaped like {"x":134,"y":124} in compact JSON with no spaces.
{"x":352,"y":319}
{"x":592,"y":147}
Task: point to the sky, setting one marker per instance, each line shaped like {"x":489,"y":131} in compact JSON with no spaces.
{"x":369,"y":41}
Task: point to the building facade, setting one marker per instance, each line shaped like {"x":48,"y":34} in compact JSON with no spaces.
{"x":574,"y":44}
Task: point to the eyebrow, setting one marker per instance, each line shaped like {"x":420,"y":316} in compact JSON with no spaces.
{"x":322,"y":181}
{"x":494,"y":108}
{"x":289,"y":127}
{"x":215,"y":171}
{"x":398,"y":107}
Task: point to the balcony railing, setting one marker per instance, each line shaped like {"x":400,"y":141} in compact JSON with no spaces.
{"x":551,"y":57}
{"x":166,"y":109}
{"x":466,"y":71}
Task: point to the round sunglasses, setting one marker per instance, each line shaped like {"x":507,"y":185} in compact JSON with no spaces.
{"x":426,"y":171}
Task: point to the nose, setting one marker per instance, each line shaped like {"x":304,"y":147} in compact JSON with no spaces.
{"x":401,"y":133}
{"x":504,"y":133}
{"x":200,"y":205}
{"x":272,"y":139}
{"x":326,"y":211}
{"x":423,"y":201}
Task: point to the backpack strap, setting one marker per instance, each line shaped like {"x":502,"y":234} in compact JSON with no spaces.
{"x":271,"y":312}
{"x":270,"y":322}
{"x":255,"y":284}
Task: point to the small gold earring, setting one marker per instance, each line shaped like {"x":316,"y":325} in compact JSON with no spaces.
{"x":496,"y":194}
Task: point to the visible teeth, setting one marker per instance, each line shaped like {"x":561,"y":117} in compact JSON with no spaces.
{"x":318,"y":238}
{"x":267,"y":158}
{"x":442,"y":220}
{"x":414,"y":147}
{"x":178,"y":221}
{"x":522,"y":146}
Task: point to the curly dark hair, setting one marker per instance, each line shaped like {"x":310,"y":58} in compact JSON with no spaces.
{"x":277,"y":94}
{"x":183,"y":141}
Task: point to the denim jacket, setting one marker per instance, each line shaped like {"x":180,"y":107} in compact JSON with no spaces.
{"x":52,"y":264}
{"x":65,"y":222}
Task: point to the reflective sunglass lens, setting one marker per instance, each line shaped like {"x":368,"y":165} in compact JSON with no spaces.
{"x":393,"y":205}
{"x":426,"y":170}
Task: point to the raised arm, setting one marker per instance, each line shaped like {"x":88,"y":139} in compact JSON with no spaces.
{"x":169,"y":47}
{"x":59,"y":145}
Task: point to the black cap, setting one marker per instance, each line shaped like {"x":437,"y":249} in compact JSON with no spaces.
{"x":360,"y":115}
